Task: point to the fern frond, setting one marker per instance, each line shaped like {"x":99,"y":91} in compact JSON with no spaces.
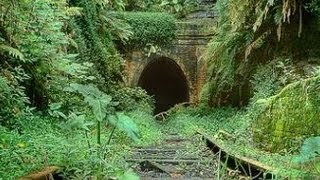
{"x":256,"y":44}
{"x":11,"y":51}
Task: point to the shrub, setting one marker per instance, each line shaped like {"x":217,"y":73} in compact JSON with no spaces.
{"x":264,"y":82}
{"x":150,"y":28}
{"x":12,"y":102}
{"x":131,"y":98}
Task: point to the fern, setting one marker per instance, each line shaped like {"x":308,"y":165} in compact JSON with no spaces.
{"x":244,"y":28}
{"x":119,"y":28}
{"x":11,"y":51}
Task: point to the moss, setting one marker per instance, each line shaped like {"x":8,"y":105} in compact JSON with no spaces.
{"x":289,"y":116}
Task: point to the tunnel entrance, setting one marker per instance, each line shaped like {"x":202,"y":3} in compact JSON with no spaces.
{"x":164,"y":79}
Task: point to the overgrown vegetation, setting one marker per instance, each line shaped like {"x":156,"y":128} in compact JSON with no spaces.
{"x":264,"y":57}
{"x":48,"y":49}
{"x":254,"y":33}
{"x":153,"y":29}
{"x":64,"y":101}
{"x":180,"y":8}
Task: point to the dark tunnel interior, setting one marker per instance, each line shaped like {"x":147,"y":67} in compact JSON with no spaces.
{"x":164,"y":79}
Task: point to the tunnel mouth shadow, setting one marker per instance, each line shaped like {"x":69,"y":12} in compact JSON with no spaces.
{"x":163,"y":79}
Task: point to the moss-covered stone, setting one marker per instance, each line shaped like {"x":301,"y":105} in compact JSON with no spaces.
{"x":289,"y":116}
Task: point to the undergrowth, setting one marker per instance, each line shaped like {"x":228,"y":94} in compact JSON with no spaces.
{"x":41,"y":141}
{"x":232,"y":128}
{"x":235,"y":128}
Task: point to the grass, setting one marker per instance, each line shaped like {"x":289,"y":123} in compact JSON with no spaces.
{"x":232,"y":128}
{"x":37,"y":142}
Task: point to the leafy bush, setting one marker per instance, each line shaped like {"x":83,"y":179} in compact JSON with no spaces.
{"x":179,"y":8}
{"x":150,"y":28}
{"x":43,"y":141}
{"x":264,"y":82}
{"x":132,"y":98}
{"x":12,"y":102}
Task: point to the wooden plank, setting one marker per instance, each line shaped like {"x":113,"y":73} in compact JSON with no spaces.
{"x":165,"y":157}
{"x":248,"y":166}
{"x":250,"y":161}
{"x":174,"y":149}
{"x":169,"y":161}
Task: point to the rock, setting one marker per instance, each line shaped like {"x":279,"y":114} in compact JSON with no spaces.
{"x":289,"y":117}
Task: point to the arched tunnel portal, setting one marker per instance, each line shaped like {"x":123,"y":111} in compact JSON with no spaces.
{"x":164,"y":79}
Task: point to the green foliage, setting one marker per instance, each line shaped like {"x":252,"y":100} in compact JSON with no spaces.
{"x":143,"y":5}
{"x":179,"y":8}
{"x":28,"y":150}
{"x":314,"y":7}
{"x":97,"y":100}
{"x":125,"y":124}
{"x":221,"y":54}
{"x":132,"y":98}
{"x":150,"y":129}
{"x":94,"y":43}
{"x":289,"y":116}
{"x":32,"y":38}
{"x":77,"y":122}
{"x":250,"y":33}
{"x":309,"y":151}
{"x":265,"y":82}
{"x":157,"y":29}
{"x":119,"y":28}
{"x":129,"y":175}
{"x":190,"y":120}
{"x":101,"y":106}
{"x":42,"y":142}
{"x":15,"y":53}
{"x":12,"y":101}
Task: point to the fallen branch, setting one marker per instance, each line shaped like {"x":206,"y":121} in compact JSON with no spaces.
{"x":164,"y":114}
{"x":45,"y":174}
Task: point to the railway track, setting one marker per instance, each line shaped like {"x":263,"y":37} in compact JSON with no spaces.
{"x":175,"y":158}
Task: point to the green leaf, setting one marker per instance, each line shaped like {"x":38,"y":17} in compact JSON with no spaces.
{"x":11,"y":51}
{"x":99,"y":106}
{"x":97,"y":100}
{"x":126,"y":124}
{"x":309,"y":150}
{"x":129,"y":175}
{"x":164,"y":3}
{"x":55,"y":106}
{"x":77,"y":122}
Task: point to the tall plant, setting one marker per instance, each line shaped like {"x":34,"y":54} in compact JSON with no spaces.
{"x":100,"y":104}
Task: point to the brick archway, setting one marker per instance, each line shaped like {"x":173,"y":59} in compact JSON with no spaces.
{"x":164,"y":79}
